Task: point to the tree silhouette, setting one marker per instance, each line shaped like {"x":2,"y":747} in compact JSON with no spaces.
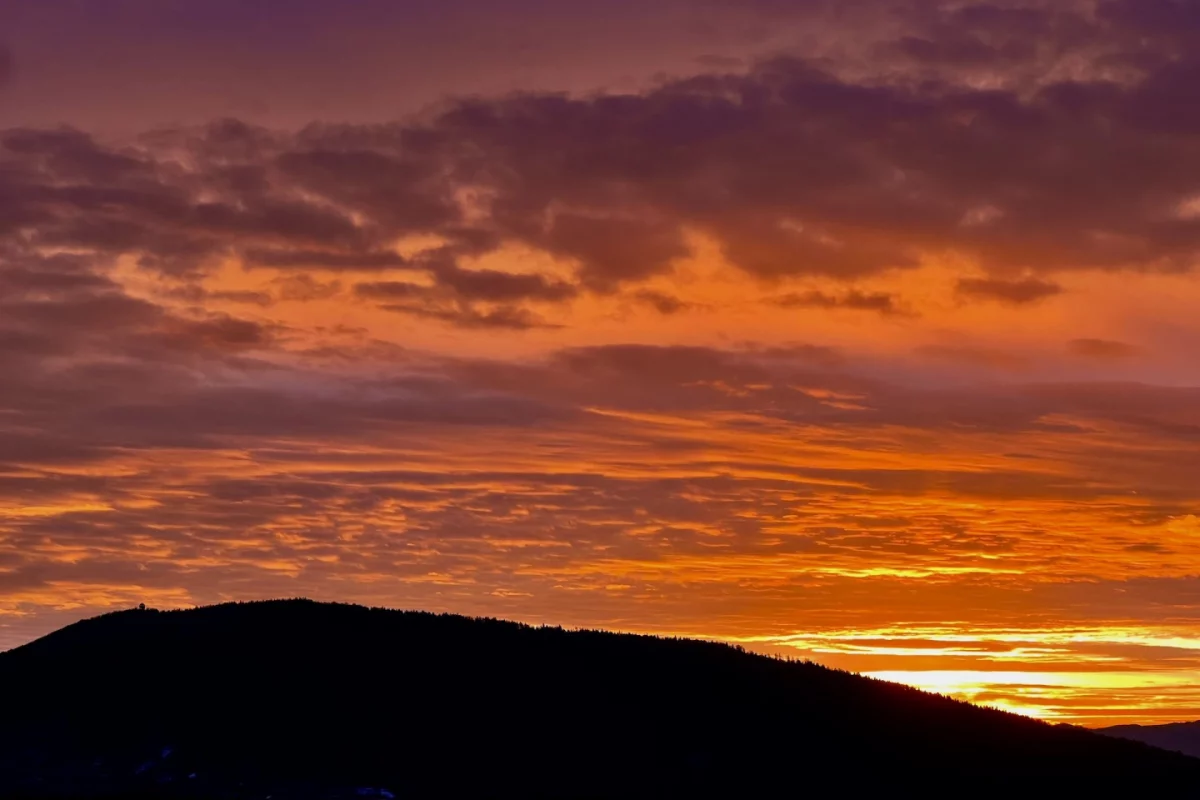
{"x":302,"y":699}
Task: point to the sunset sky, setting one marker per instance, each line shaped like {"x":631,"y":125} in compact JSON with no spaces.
{"x":853,"y":330}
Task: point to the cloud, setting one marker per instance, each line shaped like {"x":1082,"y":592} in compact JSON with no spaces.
{"x":471,"y":298}
{"x":330,"y":260}
{"x":496,"y":286}
{"x":663,"y":303}
{"x":198,"y":295}
{"x":975,"y":356}
{"x":406,"y":195}
{"x":612,"y":250}
{"x":859,"y":301}
{"x":305,"y":288}
{"x":389,"y":290}
{"x":1013,"y":292}
{"x":161,"y":457}
{"x":790,"y":169}
{"x":63,"y":317}
{"x":1102,"y":349}
{"x":819,"y":355}
{"x":465,"y":315}
{"x":221,"y":332}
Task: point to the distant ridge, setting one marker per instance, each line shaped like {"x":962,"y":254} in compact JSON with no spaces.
{"x":1180,"y":737}
{"x":296,"y":699}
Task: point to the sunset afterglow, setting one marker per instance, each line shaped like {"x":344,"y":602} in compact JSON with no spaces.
{"x":863,"y":333}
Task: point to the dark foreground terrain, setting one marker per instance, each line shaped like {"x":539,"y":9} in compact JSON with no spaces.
{"x":295,"y":699}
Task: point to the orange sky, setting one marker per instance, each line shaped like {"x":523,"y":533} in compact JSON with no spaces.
{"x":874,"y":347}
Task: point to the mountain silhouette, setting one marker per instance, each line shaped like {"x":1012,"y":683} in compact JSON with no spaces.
{"x":297,"y":699}
{"x":1180,"y":737}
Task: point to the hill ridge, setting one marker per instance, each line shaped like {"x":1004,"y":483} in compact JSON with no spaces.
{"x":298,"y":698}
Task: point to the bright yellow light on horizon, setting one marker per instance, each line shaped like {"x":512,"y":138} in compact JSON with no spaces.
{"x":1046,"y":695}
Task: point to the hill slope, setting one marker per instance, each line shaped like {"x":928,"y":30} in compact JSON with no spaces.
{"x":301,"y":699}
{"x":1181,"y":737}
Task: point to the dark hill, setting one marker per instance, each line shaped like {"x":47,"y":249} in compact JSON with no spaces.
{"x":300,"y":699}
{"x":1182,"y":737}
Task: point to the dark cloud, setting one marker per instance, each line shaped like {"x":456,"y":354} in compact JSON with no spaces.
{"x":219,"y":332}
{"x":819,"y":355}
{"x":1146,"y":547}
{"x":30,"y":276}
{"x":1014,"y":292}
{"x":331,"y":260}
{"x":613,"y":250}
{"x":796,"y":171}
{"x":198,"y":295}
{"x":792,"y":169}
{"x":471,"y":298}
{"x":975,"y":356}
{"x":1102,"y":348}
{"x":305,"y":288}
{"x":389,"y":290}
{"x":66,"y":307}
{"x":881,"y":302}
{"x":466,"y":315}
{"x":241,"y":296}
{"x":405,"y":194}
{"x":495,"y":286}
{"x":663,"y":303}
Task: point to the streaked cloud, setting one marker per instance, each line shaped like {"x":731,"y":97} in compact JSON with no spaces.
{"x":1017,"y":292}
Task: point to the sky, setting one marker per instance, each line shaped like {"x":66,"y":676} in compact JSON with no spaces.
{"x":856,"y":331}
